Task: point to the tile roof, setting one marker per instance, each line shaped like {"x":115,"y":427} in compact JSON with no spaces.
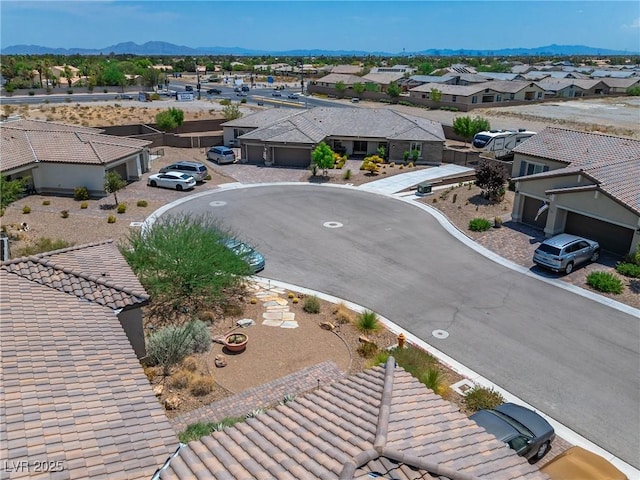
{"x":312,"y":126}
{"x":611,"y":162}
{"x":95,"y":272}
{"x":556,"y":84}
{"x":382,"y":419}
{"x":25,"y":142}
{"x":383,"y":78}
{"x":347,"y":79}
{"x":73,"y":389}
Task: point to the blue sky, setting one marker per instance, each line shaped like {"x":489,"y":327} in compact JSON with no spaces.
{"x":388,"y":26}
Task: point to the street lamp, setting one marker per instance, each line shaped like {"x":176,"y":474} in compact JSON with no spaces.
{"x":198,"y":80}
{"x":302,"y":77}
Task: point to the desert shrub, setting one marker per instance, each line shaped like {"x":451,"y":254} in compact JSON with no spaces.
{"x":26,"y":209}
{"x":295,"y":300}
{"x":343,"y":314}
{"x":81,"y":193}
{"x":244,"y":100}
{"x":479,"y":225}
{"x":142,"y":203}
{"x":232,"y":310}
{"x":290,"y":295}
{"x":415,"y":361}
{"x":628,"y":269}
{"x":195,"y":431}
{"x":64,"y":213}
{"x":369,"y":166}
{"x":122,"y":208}
{"x":605,"y":282}
{"x":207,"y":317}
{"x":46,"y":202}
{"x":208,"y":177}
{"x":225,"y":102}
{"x":150,"y":373}
{"x":367,"y":350}
{"x":254,"y":413}
{"x":180,"y":379}
{"x":190,"y":364}
{"x":226,"y":422}
{"x":201,"y":338}
{"x":42,"y":245}
{"x":497,"y":222}
{"x":111,"y":219}
{"x":368,"y":321}
{"x":434,"y":379}
{"x":202,"y":386}
{"x":31,"y":93}
{"x":481,"y":398}
{"x":347,"y":175}
{"x":311,"y":304}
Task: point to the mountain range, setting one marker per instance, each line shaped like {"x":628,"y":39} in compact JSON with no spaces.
{"x":164,"y":48}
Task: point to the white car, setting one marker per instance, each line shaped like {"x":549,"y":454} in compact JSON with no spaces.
{"x":175,"y":180}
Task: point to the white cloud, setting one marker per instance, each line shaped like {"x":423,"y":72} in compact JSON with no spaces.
{"x":634,"y":24}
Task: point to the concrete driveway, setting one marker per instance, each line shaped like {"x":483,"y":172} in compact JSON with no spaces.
{"x":569,"y":356}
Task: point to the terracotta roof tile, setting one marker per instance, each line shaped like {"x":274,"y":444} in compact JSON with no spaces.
{"x":382,"y":420}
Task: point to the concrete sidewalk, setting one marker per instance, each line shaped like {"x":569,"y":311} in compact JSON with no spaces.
{"x":403,"y":181}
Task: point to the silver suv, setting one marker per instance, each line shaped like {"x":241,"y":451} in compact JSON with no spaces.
{"x":564,"y":252}
{"x":196,"y":169}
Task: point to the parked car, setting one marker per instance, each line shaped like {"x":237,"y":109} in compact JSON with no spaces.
{"x":521,"y":429}
{"x":276,"y":94}
{"x":564,"y":252}
{"x":124,"y":96}
{"x":293,"y":96}
{"x":254,"y":258}
{"x":214,"y":91}
{"x":188,"y":88}
{"x":245,"y":88}
{"x":196,"y":169}
{"x":174,"y":180}
{"x":578,"y":463}
{"x":355,"y":100}
{"x":221,"y":155}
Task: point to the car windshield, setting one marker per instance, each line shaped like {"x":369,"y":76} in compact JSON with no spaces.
{"x":546,"y":248}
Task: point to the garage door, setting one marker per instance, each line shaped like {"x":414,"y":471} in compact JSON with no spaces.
{"x":530,"y":210}
{"x":255,"y":154}
{"x":611,"y":237}
{"x":292,"y":157}
{"x":120,"y":170}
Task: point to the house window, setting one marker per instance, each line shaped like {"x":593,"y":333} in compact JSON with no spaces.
{"x":512,"y":96}
{"x":415,"y":146}
{"x":454,"y":98}
{"x":474,"y":99}
{"x":498,"y":98}
{"x":539,"y":95}
{"x":528,"y":168}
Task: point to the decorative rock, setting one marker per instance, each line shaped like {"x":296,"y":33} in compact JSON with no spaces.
{"x":328,"y":326}
{"x":158,"y":390}
{"x":245,"y":322}
{"x":172,"y":402}
{"x":363,"y":339}
{"x":220,"y":361}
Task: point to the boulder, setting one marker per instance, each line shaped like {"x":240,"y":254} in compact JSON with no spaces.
{"x":158,"y":390}
{"x":220,"y":361}
{"x":328,"y":326}
{"x":172,"y":402}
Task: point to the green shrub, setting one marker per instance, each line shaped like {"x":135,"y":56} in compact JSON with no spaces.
{"x":70,"y":91}
{"x":226,"y":422}
{"x":180,"y":379}
{"x":122,"y":208}
{"x":346,"y":175}
{"x":628,"y":269}
{"x":480,"y":398}
{"x":311,"y":304}
{"x":479,"y":225}
{"x":417,"y":362}
{"x":46,"y":202}
{"x":195,"y":431}
{"x":111,"y":219}
{"x":81,"y":193}
{"x":31,"y":93}
{"x":26,"y":209}
{"x":434,"y":379}
{"x":142,"y":203}
{"x":84,"y":205}
{"x":605,"y":282}
{"x":367,"y":350}
{"x":64,"y":213}
{"x":201,"y":337}
{"x":42,"y":245}
{"x":368,"y":321}
{"x":633,"y":257}
{"x":208,"y":177}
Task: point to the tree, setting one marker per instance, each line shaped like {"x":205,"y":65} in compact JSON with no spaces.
{"x":10,"y":190}
{"x":68,"y":74}
{"x":170,"y":119}
{"x":436,"y":95}
{"x":358,"y":88}
{"x":393,"y":90}
{"x":112,"y":183}
{"x":182,"y":262}
{"x":467,"y":127}
{"x":231,"y":111}
{"x":491,"y":177}
{"x":323,"y":158}
{"x":340,"y":88}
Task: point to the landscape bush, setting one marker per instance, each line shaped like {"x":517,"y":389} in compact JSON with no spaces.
{"x":347,"y":174}
{"x":343,"y":314}
{"x":111,"y":219}
{"x":41,"y":245}
{"x":418,"y":363}
{"x":479,"y":225}
{"x":605,"y":282}
{"x":201,"y":337}
{"x":81,"y":193}
{"x":142,"y":203}
{"x":435,"y":379}
{"x":64,"y":213}
{"x":311,"y":304}
{"x":122,"y":208}
{"x":170,"y":345}
{"x":202,"y":386}
{"x":180,"y":379}
{"x":481,"y":398}
{"x":46,"y":202}
{"x":367,"y":350}
{"x":84,"y":205}
{"x":628,"y":269}
{"x":26,"y":209}
{"x":368,"y":321}
{"x":195,"y":431}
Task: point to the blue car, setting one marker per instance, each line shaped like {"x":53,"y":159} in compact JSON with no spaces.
{"x":254,"y":258}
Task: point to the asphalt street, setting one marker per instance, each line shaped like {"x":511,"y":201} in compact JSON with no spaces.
{"x":571,"y":357}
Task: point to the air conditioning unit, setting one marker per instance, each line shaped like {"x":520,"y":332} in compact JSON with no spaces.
{"x":4,"y":248}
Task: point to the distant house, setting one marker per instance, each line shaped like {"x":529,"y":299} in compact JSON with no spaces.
{"x":382,"y":80}
{"x":589,"y":182}
{"x":620,"y":85}
{"x":57,"y":158}
{"x":570,"y":88}
{"x":403,"y":69}
{"x":381,"y":423}
{"x":163,"y":68}
{"x":286,"y":138}
{"x":74,"y":393}
{"x":501,"y":76}
{"x":59,"y":73}
{"x":347,"y":69}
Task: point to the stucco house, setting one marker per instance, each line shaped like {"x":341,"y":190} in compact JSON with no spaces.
{"x":74,"y":393}
{"x":581,"y":183}
{"x":57,"y":158}
{"x":287,"y":138}
{"x":570,"y":88}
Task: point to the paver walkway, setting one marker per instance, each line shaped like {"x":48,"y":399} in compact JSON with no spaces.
{"x":397,"y":183}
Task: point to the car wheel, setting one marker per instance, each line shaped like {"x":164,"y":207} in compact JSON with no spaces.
{"x":569,"y":268}
{"x":179,"y":187}
{"x":542,"y":451}
{"x":595,"y":256}
{"x":153,"y":183}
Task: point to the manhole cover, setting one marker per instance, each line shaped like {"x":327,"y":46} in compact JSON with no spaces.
{"x":332,"y":224}
{"x":218,"y":203}
{"x":440,"y":334}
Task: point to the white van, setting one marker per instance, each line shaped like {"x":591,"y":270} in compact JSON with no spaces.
{"x":221,"y":155}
